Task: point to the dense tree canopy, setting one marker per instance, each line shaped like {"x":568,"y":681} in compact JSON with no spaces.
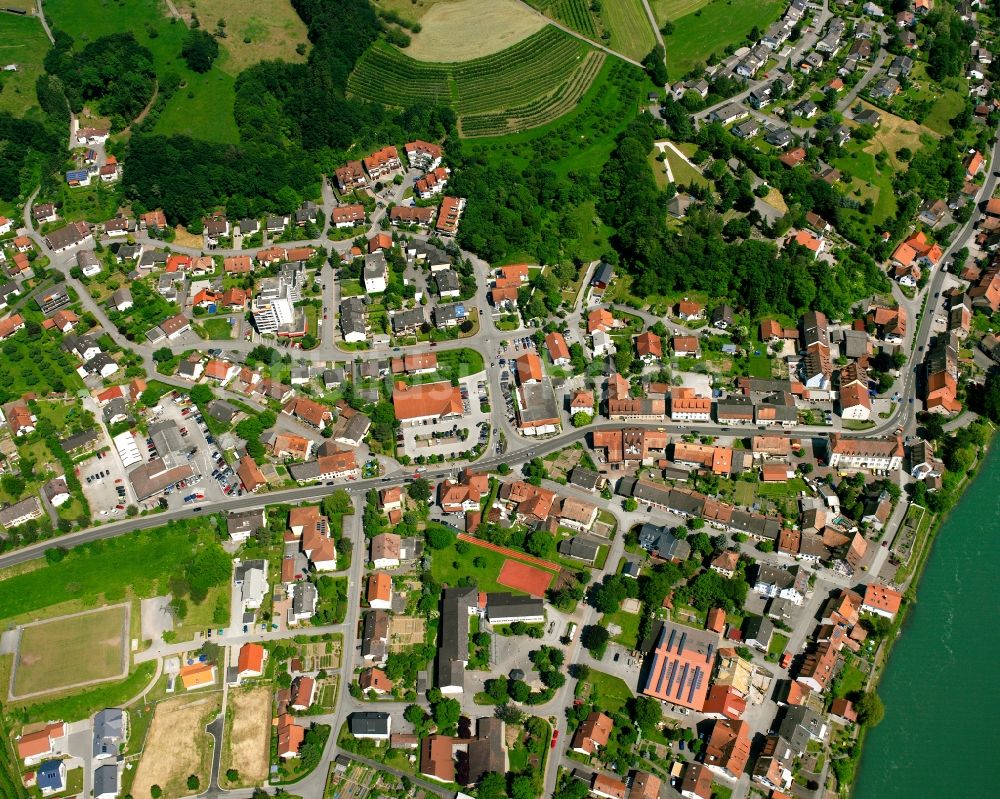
{"x":115,"y":72}
{"x":200,"y":50}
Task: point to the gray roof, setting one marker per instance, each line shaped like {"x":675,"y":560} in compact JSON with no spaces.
{"x":117,"y":407}
{"x":245,"y":521}
{"x":758,"y":628}
{"x":109,"y":731}
{"x":304,"y":598}
{"x":584,"y":478}
{"x":579,"y":547}
{"x":407,"y":319}
{"x":78,"y":440}
{"x":222,"y":410}
{"x":375,"y":265}
{"x":503,"y":604}
{"x":799,"y":726}
{"x":166,"y":437}
{"x":369,"y":723}
{"x":447,"y":280}
{"x":12,"y":513}
{"x":453,"y":648}
{"x":660,"y":541}
{"x":106,"y":780}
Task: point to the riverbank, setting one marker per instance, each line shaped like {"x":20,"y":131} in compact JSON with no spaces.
{"x":931,"y":741}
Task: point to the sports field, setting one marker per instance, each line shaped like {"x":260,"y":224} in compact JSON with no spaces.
{"x":22,"y":42}
{"x":521,"y":87}
{"x":454,"y":31}
{"x":522,"y":577}
{"x":712,"y":28}
{"x":72,"y":650}
{"x":248,"y":729}
{"x":177,"y":746}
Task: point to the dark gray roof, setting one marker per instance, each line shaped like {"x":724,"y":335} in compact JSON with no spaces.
{"x":78,"y":440}
{"x":369,"y":723}
{"x":579,"y":547}
{"x":222,"y":410}
{"x":502,"y":604}
{"x":407,"y":319}
{"x":799,"y":726}
{"x":106,"y":780}
{"x":245,"y":521}
{"x":660,"y":541}
{"x":584,"y":478}
{"x":453,"y":647}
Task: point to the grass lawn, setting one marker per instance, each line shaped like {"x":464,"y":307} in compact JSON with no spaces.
{"x":790,"y":488}
{"x":850,"y":680}
{"x":262,"y":31}
{"x":674,"y":9}
{"x":745,"y":493}
{"x":448,"y":566}
{"x":684,"y":174}
{"x":629,"y":624}
{"x":65,"y":652}
{"x":945,"y":108}
{"x":714,"y":27}
{"x":81,"y":704}
{"x":105,"y":570}
{"x":351,"y":288}
{"x":217,"y":327}
{"x":760,"y":366}
{"x":22,"y":42}
{"x":203,"y":106}
{"x":95,"y":203}
{"x":778,"y":643}
{"x":607,"y":691}
{"x":629,"y":27}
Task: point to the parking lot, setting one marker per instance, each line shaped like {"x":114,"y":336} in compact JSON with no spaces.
{"x":444,"y":437}
{"x":104,"y":484}
{"x":214,"y":479}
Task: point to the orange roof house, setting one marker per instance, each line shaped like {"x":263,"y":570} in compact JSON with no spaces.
{"x":380,"y":590}
{"x":237,"y":264}
{"x":426,"y":401}
{"x":916,"y":250}
{"x":690,"y":310}
{"x":556,"y":345}
{"x":250,"y":474}
{"x":437,"y":758}
{"x":648,"y":346}
{"x":529,"y":368}
{"x":716,"y":620}
{"x":728,"y":748}
{"x":375,"y":680}
{"x":197,"y":675}
{"x":250,"y":662}
{"x":36,"y":745}
{"x":290,"y":736}
{"x":806,"y":239}
{"x":593,"y":733}
{"x":600,"y":319}
{"x":881,"y":599}
{"x":974,"y":164}
{"x":681,"y":666}
{"x":793,"y":157}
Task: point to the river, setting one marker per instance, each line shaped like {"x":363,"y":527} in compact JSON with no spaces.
{"x":941,"y":687}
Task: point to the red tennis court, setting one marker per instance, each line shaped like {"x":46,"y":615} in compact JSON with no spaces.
{"x":522,"y":577}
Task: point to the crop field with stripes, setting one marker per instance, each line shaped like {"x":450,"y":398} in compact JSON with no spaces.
{"x":527,"y":85}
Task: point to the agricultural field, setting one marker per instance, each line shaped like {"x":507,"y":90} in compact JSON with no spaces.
{"x":414,"y":10}
{"x":712,"y":28}
{"x":22,"y":42}
{"x":177,"y":746}
{"x":575,"y":14}
{"x":665,"y":10}
{"x":628,"y":25}
{"x":454,"y":30}
{"x":524,"y":86}
{"x":264,"y":30}
{"x":247,"y":737}
{"x":72,"y":650}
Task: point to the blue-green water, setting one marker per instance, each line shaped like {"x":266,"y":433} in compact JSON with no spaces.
{"x":940,"y":736}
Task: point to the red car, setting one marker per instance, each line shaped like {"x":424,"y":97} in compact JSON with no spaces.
{"x":555,"y":737}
